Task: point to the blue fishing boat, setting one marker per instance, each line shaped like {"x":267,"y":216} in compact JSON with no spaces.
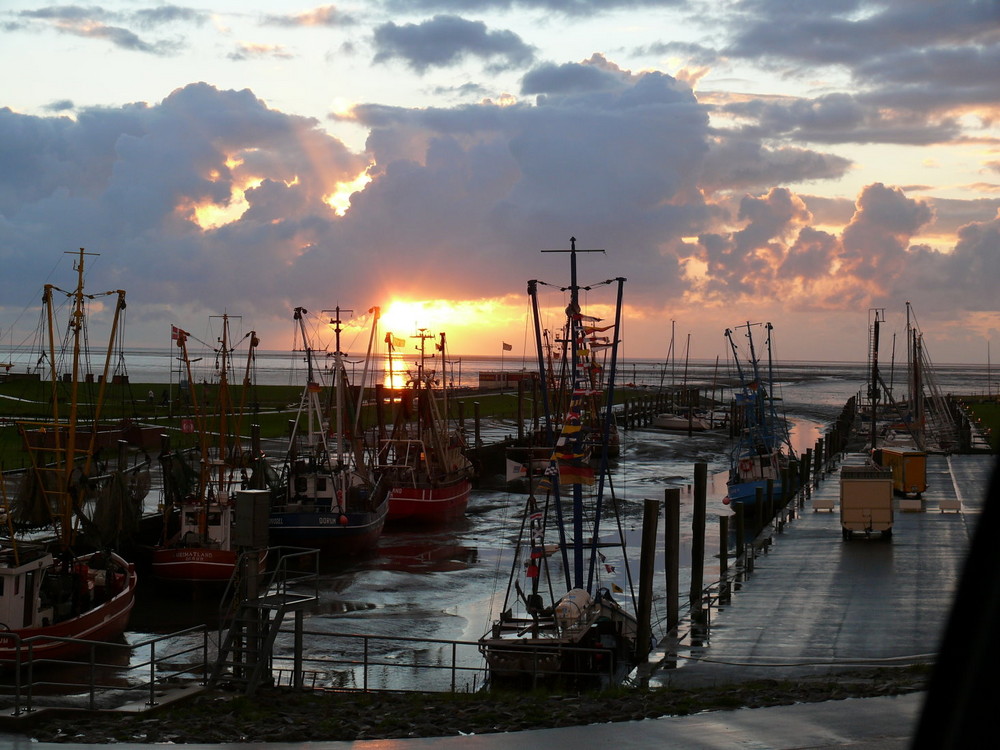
{"x":763,"y":447}
{"x":328,"y":496}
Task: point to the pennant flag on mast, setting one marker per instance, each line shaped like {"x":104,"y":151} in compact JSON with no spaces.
{"x":507,"y":347}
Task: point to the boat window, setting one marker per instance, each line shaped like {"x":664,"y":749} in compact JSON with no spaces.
{"x":321,"y":484}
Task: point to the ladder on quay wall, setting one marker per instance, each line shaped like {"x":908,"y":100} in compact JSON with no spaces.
{"x":258,"y":611}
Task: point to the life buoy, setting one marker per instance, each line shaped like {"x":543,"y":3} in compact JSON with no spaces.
{"x":746,"y":464}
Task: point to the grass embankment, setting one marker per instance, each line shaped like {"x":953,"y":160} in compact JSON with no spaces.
{"x":269,"y":406}
{"x":986,"y":411}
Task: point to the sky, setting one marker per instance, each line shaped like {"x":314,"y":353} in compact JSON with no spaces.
{"x":800,"y":163}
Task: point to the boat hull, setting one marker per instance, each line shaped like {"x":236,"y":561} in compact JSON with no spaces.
{"x":335,"y":533}
{"x":99,"y":623}
{"x":601,"y":648}
{"x":428,"y":505}
{"x":196,"y":564}
{"x":746,"y":492}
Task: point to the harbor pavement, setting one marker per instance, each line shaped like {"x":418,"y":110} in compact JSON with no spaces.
{"x":815,"y":603}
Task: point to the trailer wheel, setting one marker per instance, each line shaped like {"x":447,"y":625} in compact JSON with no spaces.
{"x":887,"y":535}
{"x":846,"y":534}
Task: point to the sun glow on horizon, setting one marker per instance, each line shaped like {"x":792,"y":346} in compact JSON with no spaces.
{"x":471,"y":326}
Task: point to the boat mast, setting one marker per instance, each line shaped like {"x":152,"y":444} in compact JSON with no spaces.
{"x":70,"y":497}
{"x":578,"y":384}
{"x":873,"y":393}
{"x":339,"y":374}
{"x":607,"y":422}
{"x":310,"y":398}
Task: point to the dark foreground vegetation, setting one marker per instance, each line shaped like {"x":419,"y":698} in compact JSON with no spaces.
{"x":282,"y":714}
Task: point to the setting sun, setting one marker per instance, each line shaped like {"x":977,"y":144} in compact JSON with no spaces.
{"x":472,"y":326}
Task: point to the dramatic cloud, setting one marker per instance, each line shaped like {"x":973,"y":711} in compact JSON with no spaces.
{"x":800,"y":156}
{"x":447,"y":40}
{"x":872,"y":263}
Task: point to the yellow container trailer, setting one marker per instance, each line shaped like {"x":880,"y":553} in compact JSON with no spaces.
{"x":909,"y":469}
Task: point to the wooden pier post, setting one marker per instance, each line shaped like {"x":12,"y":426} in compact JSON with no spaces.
{"x":647,"y":564}
{"x":698,"y":533}
{"x":478,"y":433}
{"x":520,"y":410}
{"x":671,"y":547}
{"x":724,"y":591}
{"x":741,"y":531}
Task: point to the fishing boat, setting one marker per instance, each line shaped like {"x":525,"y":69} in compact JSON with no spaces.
{"x":200,"y":487}
{"x":563,"y":621}
{"x":763,"y":447}
{"x":70,"y":585}
{"x":329,"y":497}
{"x":423,"y":459}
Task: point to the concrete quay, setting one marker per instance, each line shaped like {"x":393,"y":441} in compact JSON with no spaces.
{"x":815,"y":602}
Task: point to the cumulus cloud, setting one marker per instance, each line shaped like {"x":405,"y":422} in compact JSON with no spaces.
{"x":447,"y":40}
{"x":778,"y":253}
{"x":210,"y":200}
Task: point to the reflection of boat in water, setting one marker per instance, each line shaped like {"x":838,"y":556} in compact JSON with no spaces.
{"x":408,"y":553}
{"x":584,"y":632}
{"x":763,"y":447}
{"x":682,"y":422}
{"x":50,"y":592}
{"x":422,"y":459}
{"x":201,"y":499}
{"x":328,"y":497}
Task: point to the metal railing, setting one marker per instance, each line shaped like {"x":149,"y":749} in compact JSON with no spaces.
{"x":132,"y":671}
{"x":370,"y":662}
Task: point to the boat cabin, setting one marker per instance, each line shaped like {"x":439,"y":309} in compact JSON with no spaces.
{"x":21,"y":584}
